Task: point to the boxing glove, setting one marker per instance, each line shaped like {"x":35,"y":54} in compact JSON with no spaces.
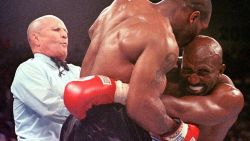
{"x":82,"y":94}
{"x":185,"y":132}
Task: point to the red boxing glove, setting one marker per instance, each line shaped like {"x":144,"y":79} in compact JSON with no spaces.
{"x":185,"y":132}
{"x":81,"y":95}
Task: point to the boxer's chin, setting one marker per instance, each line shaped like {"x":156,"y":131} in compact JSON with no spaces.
{"x":196,"y":90}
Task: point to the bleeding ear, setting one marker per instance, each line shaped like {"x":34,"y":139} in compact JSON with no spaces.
{"x":194,"y":16}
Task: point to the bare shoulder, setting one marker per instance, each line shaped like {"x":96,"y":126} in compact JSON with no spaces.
{"x":139,"y":34}
{"x":225,"y":79}
{"x":228,"y":89}
{"x":143,"y":28}
{"x":231,"y":96}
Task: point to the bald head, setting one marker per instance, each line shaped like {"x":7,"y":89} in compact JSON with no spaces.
{"x":48,"y":35}
{"x":204,"y":47}
{"x":202,"y":65}
{"x":36,"y":25}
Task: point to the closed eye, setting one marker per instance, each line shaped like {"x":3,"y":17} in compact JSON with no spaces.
{"x":56,"y":29}
{"x":186,"y":71}
{"x":203,"y":72}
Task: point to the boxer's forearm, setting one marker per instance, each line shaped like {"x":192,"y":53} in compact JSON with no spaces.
{"x":149,"y":114}
{"x":195,"y":109}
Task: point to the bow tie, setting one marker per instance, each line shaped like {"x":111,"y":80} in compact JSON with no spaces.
{"x":60,"y":64}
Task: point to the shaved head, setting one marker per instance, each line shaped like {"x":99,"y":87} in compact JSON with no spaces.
{"x":204,"y":47}
{"x":48,"y":35}
{"x":202,"y":65}
{"x":204,"y":6}
{"x":37,"y":24}
{"x":187,"y":17}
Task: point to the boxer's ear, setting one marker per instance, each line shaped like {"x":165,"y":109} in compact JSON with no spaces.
{"x":194,"y":16}
{"x":222,"y":68}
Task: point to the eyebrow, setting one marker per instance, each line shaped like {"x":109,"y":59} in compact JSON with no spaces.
{"x":60,"y":28}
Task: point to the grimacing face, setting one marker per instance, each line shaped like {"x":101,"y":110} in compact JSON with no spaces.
{"x":54,"y":38}
{"x":200,"y":74}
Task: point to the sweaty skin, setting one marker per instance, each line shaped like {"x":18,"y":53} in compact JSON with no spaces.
{"x":211,"y":101}
{"x":133,"y":41}
{"x":124,"y":43}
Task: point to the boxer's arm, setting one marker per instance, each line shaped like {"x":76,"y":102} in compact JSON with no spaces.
{"x":223,"y":103}
{"x":91,"y":53}
{"x":147,"y":84}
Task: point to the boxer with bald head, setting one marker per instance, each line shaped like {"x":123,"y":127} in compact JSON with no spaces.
{"x":210,"y":99}
{"x":137,"y":42}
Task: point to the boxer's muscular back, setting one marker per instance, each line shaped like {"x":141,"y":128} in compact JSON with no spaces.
{"x":119,"y":35}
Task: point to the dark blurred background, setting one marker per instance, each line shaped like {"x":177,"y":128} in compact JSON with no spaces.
{"x":230,"y":25}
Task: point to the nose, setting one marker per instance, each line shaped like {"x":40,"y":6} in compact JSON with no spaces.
{"x":64,"y":34}
{"x":193,"y":79}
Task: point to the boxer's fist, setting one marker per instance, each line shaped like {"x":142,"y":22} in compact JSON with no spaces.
{"x":185,"y":132}
{"x":82,"y":94}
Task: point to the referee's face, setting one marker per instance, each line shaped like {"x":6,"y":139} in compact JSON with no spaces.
{"x":54,"y":38}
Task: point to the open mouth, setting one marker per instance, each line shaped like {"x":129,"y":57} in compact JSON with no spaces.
{"x":64,"y":44}
{"x":195,"y":89}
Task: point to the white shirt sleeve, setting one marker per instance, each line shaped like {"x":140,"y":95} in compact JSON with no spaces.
{"x":32,"y":86}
